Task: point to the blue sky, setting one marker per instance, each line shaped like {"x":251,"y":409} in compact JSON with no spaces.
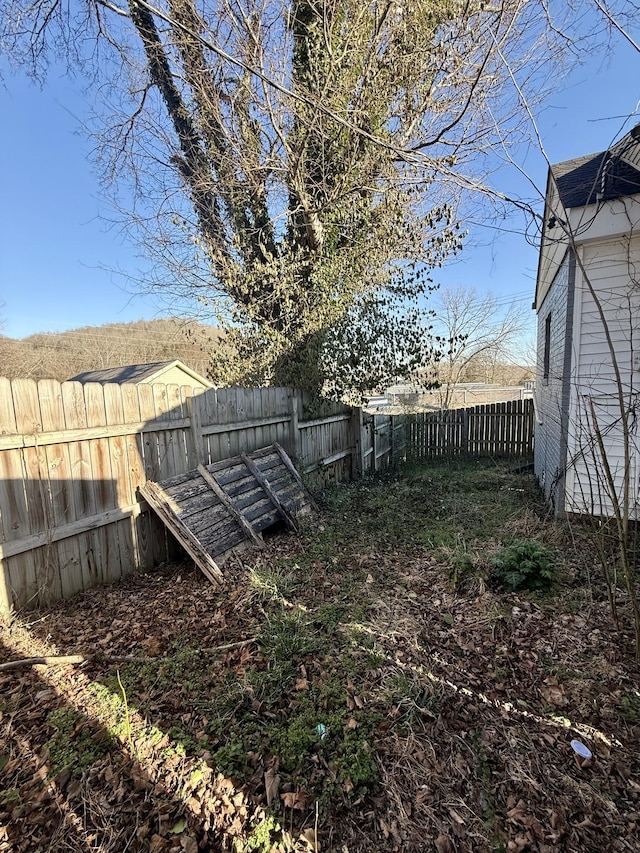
{"x":55,"y":249}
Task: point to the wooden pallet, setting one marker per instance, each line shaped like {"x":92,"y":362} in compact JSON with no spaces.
{"x":215,"y":510}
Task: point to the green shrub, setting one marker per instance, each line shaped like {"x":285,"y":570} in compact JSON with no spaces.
{"x":525,"y":564}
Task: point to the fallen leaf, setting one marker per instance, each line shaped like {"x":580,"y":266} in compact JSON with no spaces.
{"x":458,"y":818}
{"x":271,"y":785}
{"x":553,"y":693}
{"x":444,"y":845}
{"x":178,"y":826}
{"x":189,"y":845}
{"x":296,"y":800}
{"x":309,"y":837}
{"x":518,"y":812}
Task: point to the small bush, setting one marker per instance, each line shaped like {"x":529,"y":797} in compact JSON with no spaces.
{"x":462,"y":569}
{"x":525,"y":564}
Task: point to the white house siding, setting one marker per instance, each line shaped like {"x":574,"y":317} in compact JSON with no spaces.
{"x":553,"y":247}
{"x":552,"y":393}
{"x":614,"y":273}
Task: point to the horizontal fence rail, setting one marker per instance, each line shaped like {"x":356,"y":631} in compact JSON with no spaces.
{"x":496,"y":429}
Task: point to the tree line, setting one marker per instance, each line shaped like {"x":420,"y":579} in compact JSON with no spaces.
{"x":62,"y":355}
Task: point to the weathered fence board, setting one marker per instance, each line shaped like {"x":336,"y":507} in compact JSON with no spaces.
{"x":73,"y":456}
{"x":497,"y":429}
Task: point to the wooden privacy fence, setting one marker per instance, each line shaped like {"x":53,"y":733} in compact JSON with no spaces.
{"x":497,"y":429}
{"x":73,"y":456}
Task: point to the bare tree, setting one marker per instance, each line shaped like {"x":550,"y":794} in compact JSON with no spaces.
{"x":294,"y":160}
{"x":478,"y":332}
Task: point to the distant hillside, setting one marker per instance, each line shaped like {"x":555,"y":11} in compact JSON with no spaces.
{"x":64,"y":354}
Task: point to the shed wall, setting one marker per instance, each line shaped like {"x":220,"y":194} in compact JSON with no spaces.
{"x":551,"y":392}
{"x":174,"y":376}
{"x":612,"y":268}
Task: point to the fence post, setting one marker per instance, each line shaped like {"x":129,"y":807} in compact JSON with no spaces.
{"x":357,"y":454}
{"x":464,"y":438}
{"x":294,"y":429}
{"x":392,"y":442}
{"x":374,"y":443}
{"x":6,"y":602}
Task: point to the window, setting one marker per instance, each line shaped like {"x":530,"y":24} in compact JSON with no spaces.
{"x":547,"y":346}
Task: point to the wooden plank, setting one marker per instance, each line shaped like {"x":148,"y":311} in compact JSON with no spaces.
{"x":192,"y":400}
{"x":207,"y":522}
{"x":336,"y":457}
{"x":176,"y":449}
{"x":294,"y":428}
{"x":106,"y":564}
{"x":14,"y":518}
{"x":28,"y":420}
{"x":273,"y":497}
{"x":161,"y":407}
{"x":332,"y":419}
{"x":67,"y":531}
{"x":65,"y":569}
{"x":15,"y":578}
{"x":257,"y":408}
{"x":236,"y":439}
{"x":222,"y":417}
{"x":81,"y":476}
{"x":14,"y":441}
{"x":257,"y":509}
{"x":148,"y":438}
{"x":266,"y":520}
{"x":242,"y":521}
{"x":210,"y":415}
{"x":206,"y":507}
{"x":235,"y":472}
{"x":249,"y":498}
{"x":125,"y":491}
{"x":177,"y":455}
{"x":140,"y":523}
{"x":205,"y":562}
{"x":291,"y":467}
{"x":221,"y":546}
{"x":240,"y":487}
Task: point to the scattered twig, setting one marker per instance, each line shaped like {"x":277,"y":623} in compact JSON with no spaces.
{"x":63,"y":660}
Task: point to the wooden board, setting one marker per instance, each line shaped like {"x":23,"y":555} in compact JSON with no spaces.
{"x":218,"y":508}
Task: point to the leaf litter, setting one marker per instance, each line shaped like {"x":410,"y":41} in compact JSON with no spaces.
{"x":363,"y":699}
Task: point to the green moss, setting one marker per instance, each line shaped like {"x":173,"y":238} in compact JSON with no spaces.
{"x":73,"y":744}
{"x":10,"y":798}
{"x":630,"y":706}
{"x":231,"y":758}
{"x":261,"y":838}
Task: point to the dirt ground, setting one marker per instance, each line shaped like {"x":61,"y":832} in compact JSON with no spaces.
{"x":362,"y":686}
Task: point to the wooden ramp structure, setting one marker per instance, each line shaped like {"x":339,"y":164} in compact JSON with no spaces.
{"x":219,"y":508}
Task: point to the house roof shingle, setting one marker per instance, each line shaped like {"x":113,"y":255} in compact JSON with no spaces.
{"x":596,"y":177}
